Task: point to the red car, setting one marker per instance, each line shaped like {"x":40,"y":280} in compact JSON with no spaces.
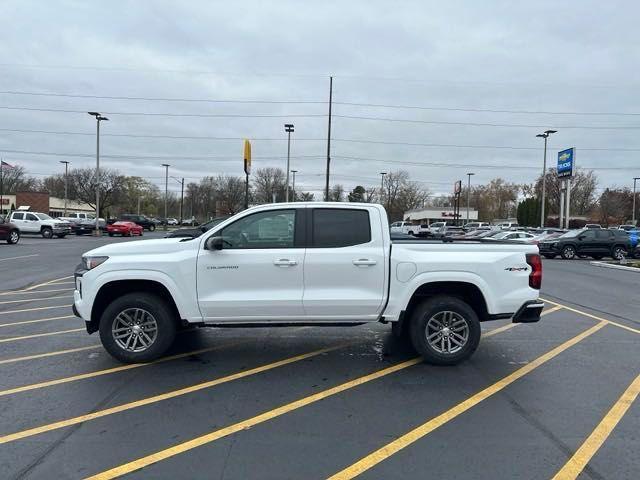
{"x":9,"y":231}
{"x":126,"y":229}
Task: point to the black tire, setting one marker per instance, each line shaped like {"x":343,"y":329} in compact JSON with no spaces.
{"x":548,"y":255}
{"x":46,"y":232}
{"x":420,"y":327}
{"x":161,"y":312}
{"x":596,"y":257}
{"x":152,"y":228}
{"x":568,"y":252}
{"x":62,"y":235}
{"x":110,"y":234}
{"x":14,"y":237}
{"x":618,"y":252}
{"x":410,"y":232}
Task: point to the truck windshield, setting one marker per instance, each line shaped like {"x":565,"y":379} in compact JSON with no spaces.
{"x":43,"y":216}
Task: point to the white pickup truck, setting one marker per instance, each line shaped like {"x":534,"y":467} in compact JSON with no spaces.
{"x":36,"y":222}
{"x":305,"y":264}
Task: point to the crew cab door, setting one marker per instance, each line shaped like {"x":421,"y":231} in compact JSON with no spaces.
{"x":31,"y":223}
{"x":258,"y":274}
{"x":587,"y":242}
{"x":344,"y":268}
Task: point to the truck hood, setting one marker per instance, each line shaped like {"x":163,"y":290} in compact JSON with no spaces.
{"x":159,"y":246}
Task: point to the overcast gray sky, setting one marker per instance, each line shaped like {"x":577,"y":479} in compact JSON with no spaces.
{"x":567,"y":58}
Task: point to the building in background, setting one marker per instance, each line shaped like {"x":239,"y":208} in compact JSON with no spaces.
{"x":438,"y":214}
{"x":42,"y":202}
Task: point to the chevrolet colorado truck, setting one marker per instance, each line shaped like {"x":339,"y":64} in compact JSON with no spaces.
{"x":305,"y":264}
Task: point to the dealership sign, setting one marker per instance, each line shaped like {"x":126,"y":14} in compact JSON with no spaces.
{"x":566,"y":162}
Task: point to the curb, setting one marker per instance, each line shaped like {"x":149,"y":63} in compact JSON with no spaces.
{"x":616,"y":267}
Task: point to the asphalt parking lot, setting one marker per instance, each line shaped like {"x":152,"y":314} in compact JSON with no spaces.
{"x":547,"y":400}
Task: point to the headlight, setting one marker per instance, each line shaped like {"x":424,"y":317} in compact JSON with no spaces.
{"x":92,"y":262}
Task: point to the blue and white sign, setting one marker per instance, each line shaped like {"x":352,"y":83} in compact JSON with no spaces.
{"x":566,"y":161}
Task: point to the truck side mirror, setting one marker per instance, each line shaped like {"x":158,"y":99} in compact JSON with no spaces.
{"x":214,"y":243}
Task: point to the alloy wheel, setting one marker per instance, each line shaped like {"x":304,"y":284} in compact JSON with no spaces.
{"x":447,"y":332}
{"x":134,"y":329}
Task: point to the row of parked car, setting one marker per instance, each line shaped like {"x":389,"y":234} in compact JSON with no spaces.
{"x":591,"y":241}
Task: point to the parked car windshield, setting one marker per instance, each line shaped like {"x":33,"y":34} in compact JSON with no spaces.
{"x":571,"y":234}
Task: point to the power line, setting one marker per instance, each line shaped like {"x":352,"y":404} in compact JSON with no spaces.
{"x":346,"y":140}
{"x":174,"y":137}
{"x":483,"y":110}
{"x":475,"y":124}
{"x":169,"y":114}
{"x":467,"y":165}
{"x":162,"y":99}
{"x":154,"y":157}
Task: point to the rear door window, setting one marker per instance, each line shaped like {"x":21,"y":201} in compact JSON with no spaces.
{"x":332,"y":228}
{"x":603,"y":234}
{"x":18,"y":216}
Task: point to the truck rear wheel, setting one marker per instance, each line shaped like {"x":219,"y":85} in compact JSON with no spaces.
{"x":137,"y":327}
{"x":444,"y":330}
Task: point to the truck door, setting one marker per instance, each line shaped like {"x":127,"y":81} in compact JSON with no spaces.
{"x":31,"y":223}
{"x":344,"y":268}
{"x":258,"y":274}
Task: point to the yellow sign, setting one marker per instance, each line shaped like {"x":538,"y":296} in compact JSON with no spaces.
{"x":247,"y":157}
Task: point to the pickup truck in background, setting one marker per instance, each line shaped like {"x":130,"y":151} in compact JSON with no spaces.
{"x":40,"y":223}
{"x":407,"y":228}
{"x":305,"y":264}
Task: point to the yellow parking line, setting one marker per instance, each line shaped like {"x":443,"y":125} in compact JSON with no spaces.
{"x":37,"y":335}
{"x":164,"y":396}
{"x":217,"y":434}
{"x":108,"y":371}
{"x":4,"y":294}
{"x":48,"y":354}
{"x":35,"y":321}
{"x":416,"y":434}
{"x":22,"y":300}
{"x":49,"y":282}
{"x":592,"y":444}
{"x":509,"y":326}
{"x":575,"y":310}
{"x":33,"y":309}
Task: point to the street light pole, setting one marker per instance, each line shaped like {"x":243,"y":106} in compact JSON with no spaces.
{"x":468,"y":192}
{"x":166,"y":191}
{"x":66,"y":178}
{"x":288,"y":127}
{"x":294,"y":184}
{"x":99,"y":118}
{"x":544,"y":135}
{"x":633,"y":208}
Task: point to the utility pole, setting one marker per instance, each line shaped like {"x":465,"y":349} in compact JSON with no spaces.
{"x":633,"y":213}
{"x":166,"y":191}
{"x":288,"y":127}
{"x":181,"y":198}
{"x":468,"y":192}
{"x":66,"y":179}
{"x":326,"y":185}
{"x":99,"y":118}
{"x":544,"y":135}
{"x":139,"y":197}
{"x":294,"y":184}
{"x":382,"y":174}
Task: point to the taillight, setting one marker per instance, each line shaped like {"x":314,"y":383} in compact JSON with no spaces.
{"x":535,"y":277}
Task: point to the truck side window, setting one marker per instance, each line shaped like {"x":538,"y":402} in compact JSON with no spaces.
{"x":31,"y":216}
{"x":272,"y":229}
{"x":340,"y":227}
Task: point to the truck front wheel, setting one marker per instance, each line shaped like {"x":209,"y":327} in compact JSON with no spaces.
{"x":137,"y":327}
{"x":444,"y":330}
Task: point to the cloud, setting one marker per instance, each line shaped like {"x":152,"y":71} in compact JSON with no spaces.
{"x":542,"y":56}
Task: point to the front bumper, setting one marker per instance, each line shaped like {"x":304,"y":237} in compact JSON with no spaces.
{"x":529,"y":312}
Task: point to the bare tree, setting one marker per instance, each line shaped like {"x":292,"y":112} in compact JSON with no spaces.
{"x":336,"y":193}
{"x":15,"y":179}
{"x":583,"y":191}
{"x":614,"y":206}
{"x":267,"y":183}
{"x":231,"y":193}
{"x":401,"y":194}
{"x":83,"y":181}
{"x":305,"y":196}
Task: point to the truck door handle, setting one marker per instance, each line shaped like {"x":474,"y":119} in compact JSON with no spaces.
{"x":364,"y":262}
{"x":285,"y":262}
